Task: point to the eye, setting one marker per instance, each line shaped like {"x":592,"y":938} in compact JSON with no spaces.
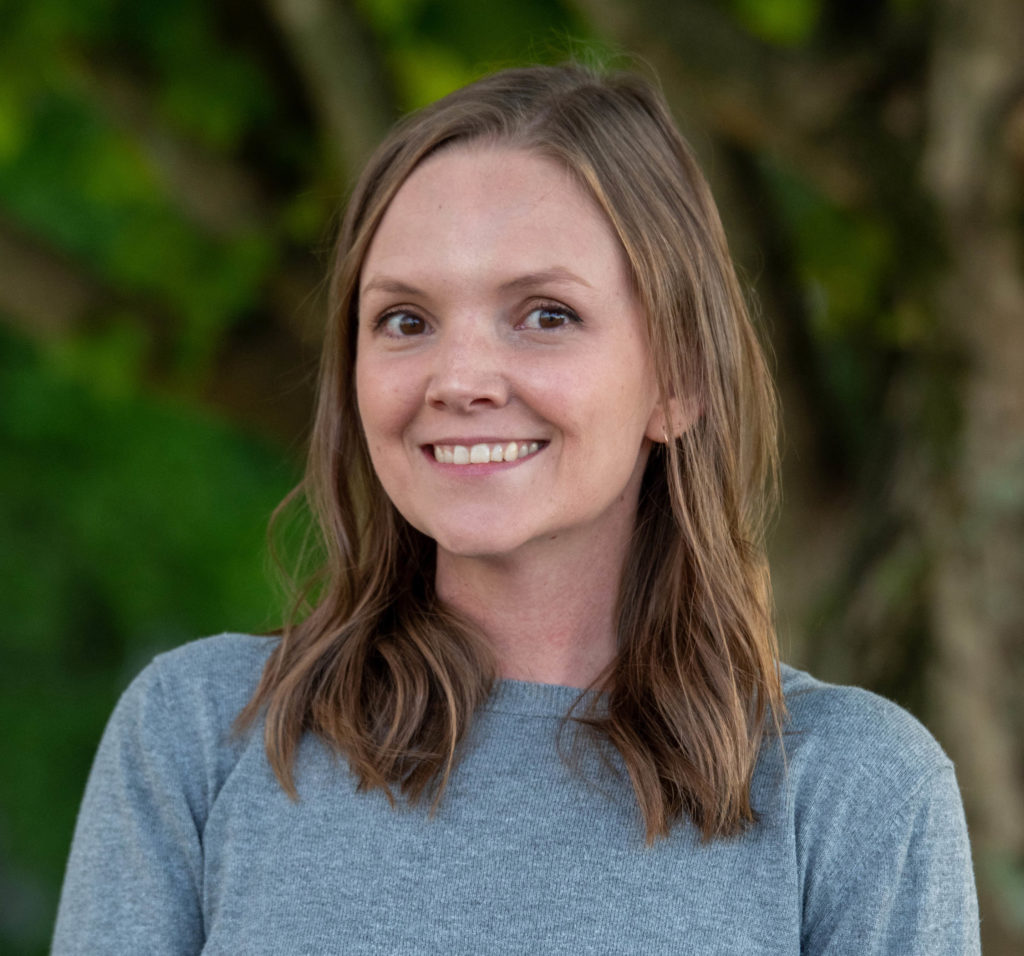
{"x":549,"y":316}
{"x":401,"y":325}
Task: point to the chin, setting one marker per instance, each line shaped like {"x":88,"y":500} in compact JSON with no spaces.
{"x":475,"y":544}
{"x":474,"y":547}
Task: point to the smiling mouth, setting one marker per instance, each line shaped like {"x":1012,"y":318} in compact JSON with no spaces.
{"x":485,"y":453}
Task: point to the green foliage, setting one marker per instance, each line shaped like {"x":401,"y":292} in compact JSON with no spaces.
{"x":86,"y":170}
{"x":130,"y":524}
{"x":435,"y":46}
{"x":846,"y":263}
{"x":1007,"y":874}
{"x":87,"y":187}
{"x":845,"y":254}
{"x":787,"y":23}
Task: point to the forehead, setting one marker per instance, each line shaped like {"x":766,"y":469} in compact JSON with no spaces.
{"x":514,"y":204}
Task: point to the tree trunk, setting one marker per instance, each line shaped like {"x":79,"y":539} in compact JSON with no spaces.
{"x":348,"y":88}
{"x":975,"y":169}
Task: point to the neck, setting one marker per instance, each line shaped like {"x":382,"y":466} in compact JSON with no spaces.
{"x":549,"y":618}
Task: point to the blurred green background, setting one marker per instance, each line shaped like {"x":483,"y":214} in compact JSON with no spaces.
{"x":170,"y":172}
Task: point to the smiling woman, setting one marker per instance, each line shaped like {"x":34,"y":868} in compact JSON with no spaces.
{"x":508,"y":334}
{"x":543,"y":640}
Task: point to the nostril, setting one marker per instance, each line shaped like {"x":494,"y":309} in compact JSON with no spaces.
{"x":467,"y":388}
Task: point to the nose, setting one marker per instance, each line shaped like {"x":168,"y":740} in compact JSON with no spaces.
{"x":469,"y":373}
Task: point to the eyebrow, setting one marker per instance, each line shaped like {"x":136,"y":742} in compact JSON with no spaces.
{"x":554,"y":274}
{"x":527,"y":281}
{"x":391,"y":286}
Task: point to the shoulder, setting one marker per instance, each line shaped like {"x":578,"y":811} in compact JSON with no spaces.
{"x":856,"y":733}
{"x":184,"y":703}
{"x":163,"y":760}
{"x":875,"y":808}
{"x":854,"y":761}
{"x":227,"y":667}
{"x":216,"y":674}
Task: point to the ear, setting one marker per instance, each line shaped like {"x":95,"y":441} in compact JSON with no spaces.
{"x":671,"y":418}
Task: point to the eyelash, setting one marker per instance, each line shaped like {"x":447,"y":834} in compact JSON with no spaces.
{"x":381,"y":324}
{"x":555,"y":308}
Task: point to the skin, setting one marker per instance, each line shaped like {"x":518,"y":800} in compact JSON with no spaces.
{"x":495,"y":305}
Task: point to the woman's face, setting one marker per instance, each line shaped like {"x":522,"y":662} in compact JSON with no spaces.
{"x":504,"y":380}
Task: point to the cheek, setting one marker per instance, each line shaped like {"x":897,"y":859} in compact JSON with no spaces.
{"x":364,"y":398}
{"x":382,"y":433}
{"x":377,"y":399}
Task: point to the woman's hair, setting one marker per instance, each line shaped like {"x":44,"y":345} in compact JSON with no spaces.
{"x":390,"y":677}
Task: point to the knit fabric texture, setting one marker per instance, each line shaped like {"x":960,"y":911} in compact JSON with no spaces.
{"x":186,"y":842}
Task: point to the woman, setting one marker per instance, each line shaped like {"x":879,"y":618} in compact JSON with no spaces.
{"x":540,"y":461}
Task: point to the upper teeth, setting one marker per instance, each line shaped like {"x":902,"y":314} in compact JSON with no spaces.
{"x":483,"y":453}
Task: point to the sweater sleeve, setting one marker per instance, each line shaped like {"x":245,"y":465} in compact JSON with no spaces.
{"x":134,"y":875}
{"x":905,"y":885}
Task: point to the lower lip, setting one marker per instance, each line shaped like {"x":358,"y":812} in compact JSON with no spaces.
{"x":484,"y":468}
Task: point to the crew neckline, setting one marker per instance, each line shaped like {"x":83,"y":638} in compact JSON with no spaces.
{"x":533,"y":699}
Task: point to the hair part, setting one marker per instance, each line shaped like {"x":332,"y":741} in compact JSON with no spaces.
{"x":387,"y":674}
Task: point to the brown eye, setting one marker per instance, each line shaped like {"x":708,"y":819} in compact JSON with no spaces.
{"x":549,"y":317}
{"x":403,"y":324}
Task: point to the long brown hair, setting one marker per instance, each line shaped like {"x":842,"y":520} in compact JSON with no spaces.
{"x":390,"y":677}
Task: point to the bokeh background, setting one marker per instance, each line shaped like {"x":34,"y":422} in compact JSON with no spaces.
{"x":170,"y":172}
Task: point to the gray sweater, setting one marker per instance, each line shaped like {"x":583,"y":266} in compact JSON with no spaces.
{"x":186,"y":843}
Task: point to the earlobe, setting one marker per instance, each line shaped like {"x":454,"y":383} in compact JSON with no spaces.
{"x":671,"y":418}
